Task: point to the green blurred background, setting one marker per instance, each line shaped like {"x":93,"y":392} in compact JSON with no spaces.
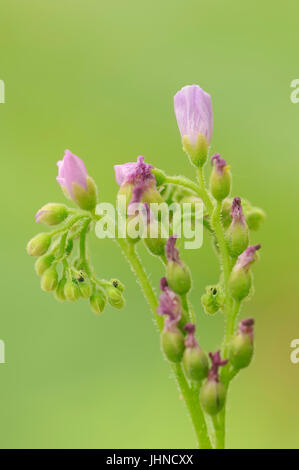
{"x":98,"y":77}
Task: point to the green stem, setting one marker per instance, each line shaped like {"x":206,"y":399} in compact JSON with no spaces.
{"x":219,"y":434}
{"x":191,"y":399}
{"x":83,"y":239}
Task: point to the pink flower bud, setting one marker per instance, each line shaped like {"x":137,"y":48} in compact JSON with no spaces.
{"x":75,"y":182}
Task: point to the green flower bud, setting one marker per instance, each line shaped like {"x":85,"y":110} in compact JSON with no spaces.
{"x":172,"y":343}
{"x":241,"y":346}
{"x":213,"y":299}
{"x":43,"y":263}
{"x":115,"y":298}
{"x":197,"y":153}
{"x":59,"y":293}
{"x":212,"y":396}
{"x":240,"y":278}
{"x":49,"y":279}
{"x":52,"y":214}
{"x":239,"y":284}
{"x":97,"y":302}
{"x":177,"y":273}
{"x":178,"y":277}
{"x":237,"y":234}
{"x":195,"y":361}
{"x":85,"y":198}
{"x":71,"y":290}
{"x":39,"y":244}
{"x":155,"y":244}
{"x":254,"y":218}
{"x":85,"y":290}
{"x":213,"y":392}
{"x":220,"y":180}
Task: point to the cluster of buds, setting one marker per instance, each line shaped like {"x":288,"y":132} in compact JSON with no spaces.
{"x":67,"y":274}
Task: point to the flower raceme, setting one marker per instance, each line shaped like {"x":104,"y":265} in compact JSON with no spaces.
{"x":75,"y":181}
{"x":193,"y":110}
{"x":63,"y":259}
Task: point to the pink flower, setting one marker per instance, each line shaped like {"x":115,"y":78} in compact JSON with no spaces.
{"x":193,"y":110}
{"x":136,"y":173}
{"x":71,"y":170}
{"x":236,"y":214}
{"x":170,"y":305}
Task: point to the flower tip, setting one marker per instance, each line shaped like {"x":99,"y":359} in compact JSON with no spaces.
{"x":190,"y":328}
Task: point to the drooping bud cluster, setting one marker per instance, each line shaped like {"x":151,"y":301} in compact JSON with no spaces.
{"x":241,"y":346}
{"x":213,"y":391}
{"x":61,"y":271}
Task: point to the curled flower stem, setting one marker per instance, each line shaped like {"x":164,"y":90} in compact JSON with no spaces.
{"x":191,"y":398}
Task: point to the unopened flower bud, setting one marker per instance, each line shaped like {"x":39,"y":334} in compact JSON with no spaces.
{"x":71,"y":290}
{"x":59,"y":293}
{"x":220,"y":180}
{"x":75,"y":181}
{"x":49,"y":279}
{"x":153,"y":241}
{"x":43,"y":263}
{"x":213,"y":299}
{"x":213,"y":392}
{"x":254,"y":217}
{"x":237,"y":233}
{"x":115,"y":298}
{"x":240,"y":279}
{"x":172,"y":343}
{"x":241,"y":346}
{"x":193,"y":110}
{"x":52,"y":214}
{"x":177,"y":273}
{"x":39,"y":244}
{"x":195,"y":360}
{"x":225,"y":212}
{"x":97,"y":302}
{"x":84,"y":288}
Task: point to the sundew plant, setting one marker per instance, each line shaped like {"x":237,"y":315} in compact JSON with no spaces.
{"x":64,"y":262}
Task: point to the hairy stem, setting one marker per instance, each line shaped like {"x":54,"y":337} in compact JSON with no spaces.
{"x":191,"y":399}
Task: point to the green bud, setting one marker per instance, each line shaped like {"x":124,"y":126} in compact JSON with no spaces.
{"x":237,"y":237}
{"x":178,"y":277}
{"x":52,"y":214}
{"x":197,"y":153}
{"x":239,"y":284}
{"x":39,"y":244}
{"x":125,"y":190}
{"x":155,"y":244}
{"x":172,"y":343}
{"x":97,"y":302}
{"x":220,"y":179}
{"x":59,"y":293}
{"x":43,"y":263}
{"x":254,"y":218}
{"x":195,"y":363}
{"x":49,"y":279}
{"x":85,"y":289}
{"x":85,"y":198}
{"x":115,"y":298}
{"x":152,"y":195}
{"x":212,"y":396}
{"x":118,"y":285}
{"x":213,"y":299}
{"x":241,"y":351}
{"x":71,"y":290}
